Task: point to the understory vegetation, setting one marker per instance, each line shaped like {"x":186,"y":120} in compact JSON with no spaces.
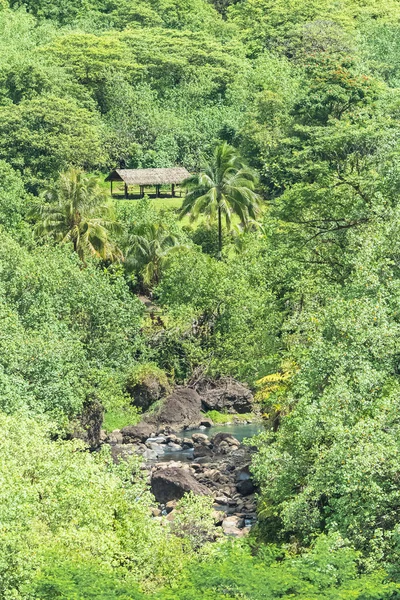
{"x":280,"y":268}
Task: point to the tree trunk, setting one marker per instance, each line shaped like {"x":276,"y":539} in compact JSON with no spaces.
{"x":219,"y":233}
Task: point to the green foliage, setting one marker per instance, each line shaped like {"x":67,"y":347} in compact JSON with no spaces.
{"x":194,"y":520}
{"x":147,"y":249}
{"x":120,"y":417}
{"x":223,"y":187}
{"x":225,"y":318}
{"x":65,"y":330}
{"x":306,"y":300}
{"x":328,"y":571}
{"x":48,"y":133}
{"x":59,"y":501}
{"x":77,"y":581}
{"x":140,"y":373}
{"x":78,"y":211}
{"x":14,"y":202}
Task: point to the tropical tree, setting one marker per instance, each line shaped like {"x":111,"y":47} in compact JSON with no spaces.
{"x":147,"y":249}
{"x":77,"y":210}
{"x":224,"y":186}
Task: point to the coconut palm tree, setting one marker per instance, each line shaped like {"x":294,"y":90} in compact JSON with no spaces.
{"x":77,"y":210}
{"x":147,"y":249}
{"x":224,"y":186}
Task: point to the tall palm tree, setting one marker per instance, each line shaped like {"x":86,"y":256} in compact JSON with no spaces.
{"x":224,"y":186}
{"x":147,"y":249}
{"x":77,"y":210}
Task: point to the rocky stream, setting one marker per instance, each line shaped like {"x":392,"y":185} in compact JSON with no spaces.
{"x":183,"y":452}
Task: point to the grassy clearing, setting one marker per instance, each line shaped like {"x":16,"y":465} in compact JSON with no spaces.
{"x":118,"y":418}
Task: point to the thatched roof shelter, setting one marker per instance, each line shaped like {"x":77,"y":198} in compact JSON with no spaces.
{"x":175,"y":175}
{"x":146,"y":177}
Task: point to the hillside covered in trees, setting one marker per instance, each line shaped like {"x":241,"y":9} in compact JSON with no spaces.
{"x":279,"y":268}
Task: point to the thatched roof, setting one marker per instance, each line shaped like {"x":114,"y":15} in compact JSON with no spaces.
{"x":149,"y":176}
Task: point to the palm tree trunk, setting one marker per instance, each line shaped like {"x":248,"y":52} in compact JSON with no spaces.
{"x":219,"y":233}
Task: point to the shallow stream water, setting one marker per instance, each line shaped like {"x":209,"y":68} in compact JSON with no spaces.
{"x":240,"y":431}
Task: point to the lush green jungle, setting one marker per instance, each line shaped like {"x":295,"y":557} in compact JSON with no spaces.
{"x":288,"y":116}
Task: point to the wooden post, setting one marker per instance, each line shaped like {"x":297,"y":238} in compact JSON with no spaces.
{"x":173,"y":190}
{"x":111,"y":187}
{"x":157,"y":191}
{"x":126,"y":190}
{"x":141,"y":191}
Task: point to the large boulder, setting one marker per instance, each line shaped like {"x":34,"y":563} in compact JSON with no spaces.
{"x":172,"y":483}
{"x":138,"y":433}
{"x":225,"y":395}
{"x":181,"y":409}
{"x":146,"y":385}
{"x":244,"y":483}
{"x":221,"y":437}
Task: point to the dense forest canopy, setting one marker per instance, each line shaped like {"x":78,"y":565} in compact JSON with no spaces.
{"x":303,"y":307}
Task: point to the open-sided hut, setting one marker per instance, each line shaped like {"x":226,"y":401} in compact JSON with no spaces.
{"x":148,"y":177}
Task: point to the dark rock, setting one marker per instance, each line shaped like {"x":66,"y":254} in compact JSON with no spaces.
{"x":202,"y":451}
{"x":196,"y":467}
{"x":148,"y":390}
{"x":200,"y":438}
{"x":225,"y":394}
{"x":245,"y":487}
{"x":88,"y":425}
{"x":205,"y":422}
{"x":181,"y":409}
{"x":187,"y":443}
{"x":173,"y":482}
{"x":137,"y":433}
{"x":218,"y":438}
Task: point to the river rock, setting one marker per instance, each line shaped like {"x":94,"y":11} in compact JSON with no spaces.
{"x":157,"y":448}
{"x":170,"y":506}
{"x":246,"y":487}
{"x":227,"y":438}
{"x":148,"y":390}
{"x":138,"y":433}
{"x":199,"y":438}
{"x":115,"y":437}
{"x":150,"y":454}
{"x":187,"y":443}
{"x":202,"y":451}
{"x":181,"y":409}
{"x":225,"y":394}
{"x":122,"y":451}
{"x":172,"y":483}
{"x":174,"y":447}
{"x":233,"y":526}
{"x":160,"y":439}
